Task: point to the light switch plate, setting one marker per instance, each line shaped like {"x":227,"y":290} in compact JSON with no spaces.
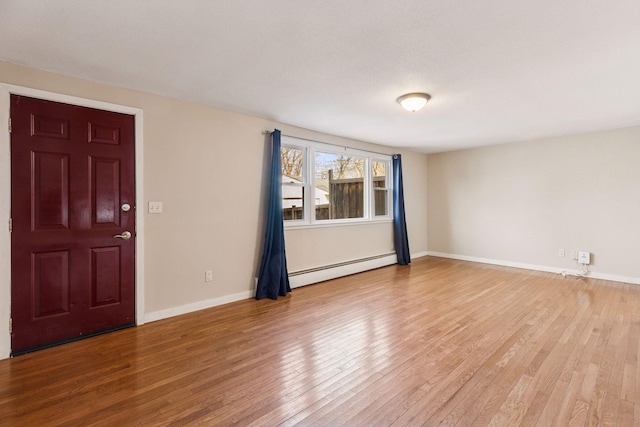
{"x":155,"y":207}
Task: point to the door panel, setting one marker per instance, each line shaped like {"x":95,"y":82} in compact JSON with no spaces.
{"x":50,"y":196}
{"x":105,"y":192}
{"x":105,"y":276}
{"x":49,"y":127}
{"x":72,"y":168}
{"x":50,"y":284}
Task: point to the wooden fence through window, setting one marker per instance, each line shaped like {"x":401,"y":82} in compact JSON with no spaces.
{"x":346,"y":200}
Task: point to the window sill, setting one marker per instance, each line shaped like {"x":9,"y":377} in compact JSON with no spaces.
{"x":326,"y":224}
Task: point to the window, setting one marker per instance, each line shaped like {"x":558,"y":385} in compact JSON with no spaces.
{"x":293,"y":182}
{"x":380,"y":188}
{"x":340,"y":179}
{"x":323,"y":185}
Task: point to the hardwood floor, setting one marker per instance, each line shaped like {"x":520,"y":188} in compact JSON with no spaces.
{"x":441,"y":342}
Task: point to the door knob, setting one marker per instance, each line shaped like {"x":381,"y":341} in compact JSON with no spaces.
{"x":126,"y":235}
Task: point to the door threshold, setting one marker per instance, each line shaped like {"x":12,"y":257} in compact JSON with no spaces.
{"x":68,"y":340}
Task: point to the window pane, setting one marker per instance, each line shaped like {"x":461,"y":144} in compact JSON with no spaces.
{"x":292,"y":202}
{"x":292,"y":160}
{"x":380,"y":202}
{"x":339,"y":181}
{"x":379,"y":170}
{"x":380,"y":192}
{"x":292,"y":164}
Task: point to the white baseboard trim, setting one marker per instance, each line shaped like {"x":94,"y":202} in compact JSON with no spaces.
{"x":419,"y":255}
{"x":195,"y":306}
{"x":557,"y":270}
{"x":296,"y":281}
{"x":616,"y":278}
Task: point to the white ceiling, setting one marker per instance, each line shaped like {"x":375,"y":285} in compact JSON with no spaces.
{"x":498,"y":71}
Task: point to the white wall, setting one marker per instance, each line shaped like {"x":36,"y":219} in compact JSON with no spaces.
{"x":522,"y":202}
{"x":207,"y":166}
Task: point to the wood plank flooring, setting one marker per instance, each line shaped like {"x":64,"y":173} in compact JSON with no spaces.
{"x":441,"y":342}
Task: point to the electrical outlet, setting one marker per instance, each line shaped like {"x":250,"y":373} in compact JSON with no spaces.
{"x":574,"y":255}
{"x":208,"y":276}
{"x":560,"y":252}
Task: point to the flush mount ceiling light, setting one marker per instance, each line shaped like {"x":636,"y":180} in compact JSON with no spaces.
{"x":413,"y":101}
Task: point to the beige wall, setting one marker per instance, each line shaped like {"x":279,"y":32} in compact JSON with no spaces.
{"x":523,"y":202}
{"x":207,"y":167}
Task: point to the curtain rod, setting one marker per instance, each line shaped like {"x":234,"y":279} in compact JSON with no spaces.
{"x":268,"y":132}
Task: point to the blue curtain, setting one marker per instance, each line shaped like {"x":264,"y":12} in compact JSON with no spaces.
{"x":273,"y":279}
{"x":400,"y":237}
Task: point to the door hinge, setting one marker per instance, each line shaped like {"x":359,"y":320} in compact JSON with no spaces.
{"x":10,"y":225}
{"x":9,"y":124}
{"x":10,"y":324}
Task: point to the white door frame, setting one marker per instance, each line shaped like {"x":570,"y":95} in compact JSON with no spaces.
{"x":5,"y":197}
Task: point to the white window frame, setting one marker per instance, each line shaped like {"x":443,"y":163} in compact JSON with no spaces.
{"x":309,"y":149}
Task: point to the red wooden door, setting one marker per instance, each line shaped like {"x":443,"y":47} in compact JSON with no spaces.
{"x":72,"y":179}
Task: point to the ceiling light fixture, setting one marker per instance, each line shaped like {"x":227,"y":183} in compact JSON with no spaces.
{"x":413,"y":101}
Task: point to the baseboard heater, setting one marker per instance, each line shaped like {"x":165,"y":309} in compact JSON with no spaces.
{"x":331,"y":271}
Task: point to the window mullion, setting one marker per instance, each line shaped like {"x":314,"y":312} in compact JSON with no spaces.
{"x":368,"y":188}
{"x":389,"y":185}
{"x":311,"y":182}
